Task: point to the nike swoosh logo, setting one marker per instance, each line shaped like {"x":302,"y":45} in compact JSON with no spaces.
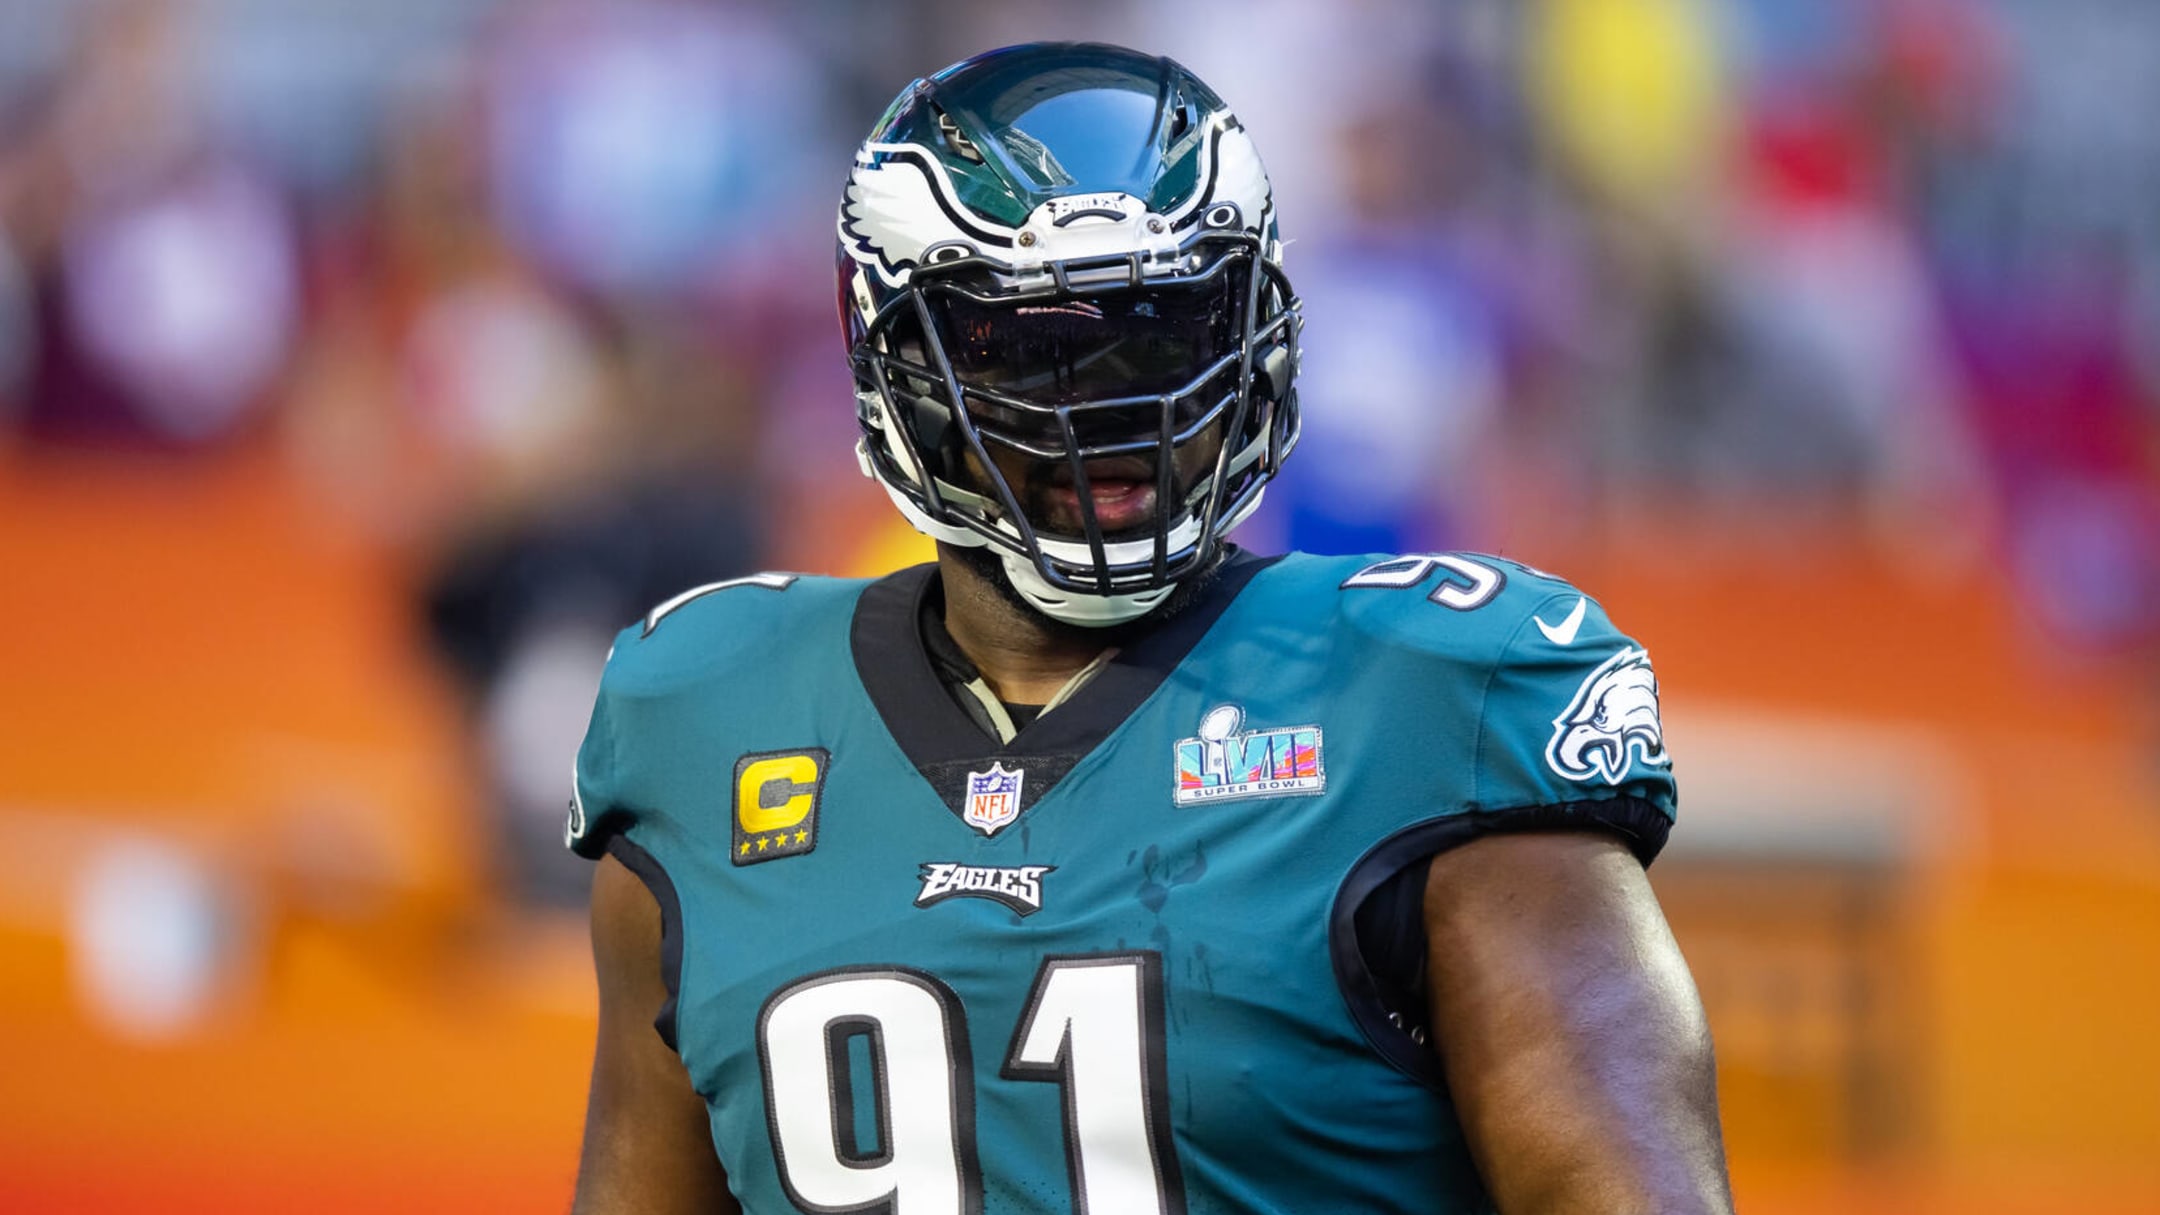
{"x":1564,"y":632}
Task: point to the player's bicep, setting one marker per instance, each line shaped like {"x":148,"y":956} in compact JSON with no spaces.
{"x":648,"y":1146}
{"x":1569,"y":1030}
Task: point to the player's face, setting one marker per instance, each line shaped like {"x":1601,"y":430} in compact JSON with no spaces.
{"x":1147,"y":344}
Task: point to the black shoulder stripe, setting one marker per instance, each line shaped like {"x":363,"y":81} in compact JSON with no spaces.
{"x":649,"y":871}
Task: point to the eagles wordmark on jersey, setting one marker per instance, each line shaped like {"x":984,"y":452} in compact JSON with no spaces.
{"x":1122,"y":963}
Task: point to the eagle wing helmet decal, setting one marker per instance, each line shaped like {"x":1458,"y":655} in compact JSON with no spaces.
{"x":900,"y":205}
{"x":1230,"y":172}
{"x":1614,"y":713}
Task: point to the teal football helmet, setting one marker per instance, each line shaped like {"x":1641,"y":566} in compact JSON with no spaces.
{"x":1061,"y":290}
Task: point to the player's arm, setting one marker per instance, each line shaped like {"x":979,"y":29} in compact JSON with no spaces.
{"x":648,"y":1147}
{"x":1570,"y":1031}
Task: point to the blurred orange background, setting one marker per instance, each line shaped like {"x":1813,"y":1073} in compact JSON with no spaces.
{"x":362,"y":366}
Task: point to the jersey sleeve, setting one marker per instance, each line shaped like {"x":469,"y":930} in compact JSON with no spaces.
{"x":1569,"y":731}
{"x":1561,"y":712}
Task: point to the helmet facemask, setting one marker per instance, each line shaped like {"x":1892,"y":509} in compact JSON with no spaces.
{"x":1101,"y":421}
{"x":1060,"y":288}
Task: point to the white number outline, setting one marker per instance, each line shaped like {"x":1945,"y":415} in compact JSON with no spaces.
{"x":1397,"y":573}
{"x":769,"y":581}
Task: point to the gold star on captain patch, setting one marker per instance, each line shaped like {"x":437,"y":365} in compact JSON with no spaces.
{"x":802,"y":837}
{"x":746,"y":845}
{"x":762,"y":841}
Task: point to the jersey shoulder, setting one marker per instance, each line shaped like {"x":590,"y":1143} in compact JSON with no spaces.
{"x":1562,"y":705}
{"x":720,"y":629}
{"x":1460,"y":606}
{"x":691,"y":667}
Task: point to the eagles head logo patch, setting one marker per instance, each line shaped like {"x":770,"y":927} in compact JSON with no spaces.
{"x":1611,"y":723}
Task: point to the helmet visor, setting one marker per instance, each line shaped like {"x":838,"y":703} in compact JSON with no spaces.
{"x":1138,"y":342}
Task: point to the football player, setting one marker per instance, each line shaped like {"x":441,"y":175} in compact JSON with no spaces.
{"x":1101,"y":866}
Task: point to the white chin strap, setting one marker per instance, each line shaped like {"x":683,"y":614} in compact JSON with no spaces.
{"x":1087,"y":611}
{"x":1094,"y":611}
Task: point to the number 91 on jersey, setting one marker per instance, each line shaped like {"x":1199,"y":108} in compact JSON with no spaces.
{"x":1093,"y":1024}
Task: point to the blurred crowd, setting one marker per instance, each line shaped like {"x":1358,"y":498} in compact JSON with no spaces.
{"x":536,"y":295}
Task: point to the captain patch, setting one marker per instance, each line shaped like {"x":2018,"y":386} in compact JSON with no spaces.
{"x":776,"y":803}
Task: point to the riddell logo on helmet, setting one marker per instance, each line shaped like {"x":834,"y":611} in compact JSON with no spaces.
{"x":1075,"y":206}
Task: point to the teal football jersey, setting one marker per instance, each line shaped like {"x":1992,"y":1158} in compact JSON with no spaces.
{"x":1136,"y":960}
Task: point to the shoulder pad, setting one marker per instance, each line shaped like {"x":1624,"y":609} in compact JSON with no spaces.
{"x":1567,"y":703}
{"x":1468,"y":605}
{"x":769,"y":581}
{"x":692,"y":648}
{"x":710,"y":626}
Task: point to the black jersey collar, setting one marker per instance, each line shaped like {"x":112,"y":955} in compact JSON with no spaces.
{"x":938,"y":736}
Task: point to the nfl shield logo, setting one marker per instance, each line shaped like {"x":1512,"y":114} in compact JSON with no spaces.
{"x":993,"y":798}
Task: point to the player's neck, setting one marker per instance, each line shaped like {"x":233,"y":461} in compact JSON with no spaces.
{"x":1026,"y":657}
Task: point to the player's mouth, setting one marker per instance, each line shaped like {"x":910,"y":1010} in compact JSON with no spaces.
{"x":1121,"y":491}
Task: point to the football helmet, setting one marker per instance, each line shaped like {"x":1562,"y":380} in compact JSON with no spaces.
{"x":1061,"y":291}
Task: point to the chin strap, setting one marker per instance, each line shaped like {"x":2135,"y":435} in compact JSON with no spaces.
{"x":1087,"y":611}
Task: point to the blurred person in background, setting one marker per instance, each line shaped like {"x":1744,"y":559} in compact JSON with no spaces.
{"x":1407,"y":351}
{"x":159,"y":266}
{"x":2000,"y":110}
{"x":547,"y":388}
{"x":586,"y":347}
{"x":849,"y":832}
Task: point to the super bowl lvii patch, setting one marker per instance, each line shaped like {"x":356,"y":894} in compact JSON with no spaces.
{"x":1222,"y":762}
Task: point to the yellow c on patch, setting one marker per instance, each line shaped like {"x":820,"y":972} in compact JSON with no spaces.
{"x":776,"y":802}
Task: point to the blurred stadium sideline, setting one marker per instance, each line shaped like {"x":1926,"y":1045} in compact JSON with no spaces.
{"x":364,"y":365}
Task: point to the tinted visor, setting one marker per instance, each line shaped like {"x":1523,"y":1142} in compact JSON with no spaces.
{"x":1143,"y":341}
